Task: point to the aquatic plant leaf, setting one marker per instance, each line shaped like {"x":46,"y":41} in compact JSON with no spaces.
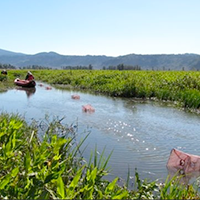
{"x":51,"y":177}
{"x":27,"y":161}
{"x":122,"y":195}
{"x":15,"y":171}
{"x":60,"y":187}
{"x":111,"y":186}
{"x":93,"y":174}
{"x":4,"y":181}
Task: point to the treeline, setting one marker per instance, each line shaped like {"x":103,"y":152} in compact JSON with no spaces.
{"x":118,"y":67}
{"x":123,"y":67}
{"x":7,"y":66}
{"x":90,"y":67}
{"x":35,"y":67}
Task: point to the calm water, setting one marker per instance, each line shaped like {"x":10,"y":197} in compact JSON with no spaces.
{"x":141,"y":135}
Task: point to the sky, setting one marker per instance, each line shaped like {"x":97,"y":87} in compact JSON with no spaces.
{"x":100,"y":27}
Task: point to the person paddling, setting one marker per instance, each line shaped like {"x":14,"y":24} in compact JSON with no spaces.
{"x":4,"y":72}
{"x":29,"y":76}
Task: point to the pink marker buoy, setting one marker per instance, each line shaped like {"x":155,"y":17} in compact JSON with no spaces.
{"x":48,"y":88}
{"x":75,"y":96}
{"x":88,"y":108}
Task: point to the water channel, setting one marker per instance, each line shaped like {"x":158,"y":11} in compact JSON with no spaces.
{"x":140,"y":134}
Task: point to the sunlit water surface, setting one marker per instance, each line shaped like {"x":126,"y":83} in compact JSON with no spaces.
{"x":141,"y":135}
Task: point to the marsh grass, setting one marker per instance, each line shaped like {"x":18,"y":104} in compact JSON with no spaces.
{"x":175,"y":188}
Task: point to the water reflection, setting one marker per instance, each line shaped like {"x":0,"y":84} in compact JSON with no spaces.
{"x":29,"y":91}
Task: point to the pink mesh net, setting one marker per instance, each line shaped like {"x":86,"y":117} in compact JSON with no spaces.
{"x":186,"y":163}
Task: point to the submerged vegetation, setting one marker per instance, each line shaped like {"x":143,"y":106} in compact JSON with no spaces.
{"x":60,"y":171}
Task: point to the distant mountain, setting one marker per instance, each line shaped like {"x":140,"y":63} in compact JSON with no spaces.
{"x":159,"y":61}
{"x":55,"y":60}
{"x":8,"y":53}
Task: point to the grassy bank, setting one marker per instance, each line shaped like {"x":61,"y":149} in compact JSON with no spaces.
{"x":180,"y":87}
{"x":52,"y":167}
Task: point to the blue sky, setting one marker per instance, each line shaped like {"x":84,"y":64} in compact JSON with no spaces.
{"x":100,"y":27}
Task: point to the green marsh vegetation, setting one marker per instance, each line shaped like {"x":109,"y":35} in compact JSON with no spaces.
{"x":60,"y":171}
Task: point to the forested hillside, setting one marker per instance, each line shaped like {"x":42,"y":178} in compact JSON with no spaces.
{"x":144,"y":62}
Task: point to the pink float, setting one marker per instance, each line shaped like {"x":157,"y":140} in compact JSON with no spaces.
{"x":88,"y":108}
{"x":48,"y":88}
{"x":75,"y":96}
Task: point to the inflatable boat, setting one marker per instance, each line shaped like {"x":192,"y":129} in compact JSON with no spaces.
{"x":24,"y":83}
